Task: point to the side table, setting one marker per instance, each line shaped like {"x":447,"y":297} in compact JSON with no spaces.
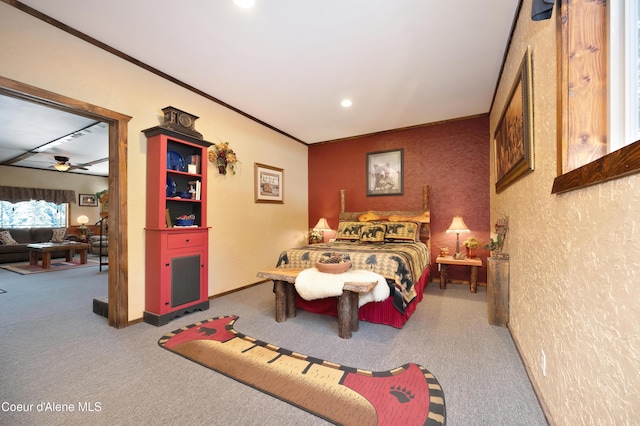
{"x":473,"y":264}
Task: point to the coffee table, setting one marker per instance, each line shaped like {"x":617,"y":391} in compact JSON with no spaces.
{"x":46,"y":248}
{"x":284,"y":279}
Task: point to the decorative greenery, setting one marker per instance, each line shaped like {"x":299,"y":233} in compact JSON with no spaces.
{"x":223,"y":156}
{"x":101,"y":193}
{"x":314,"y":236}
{"x":501,"y":226}
{"x":471,"y":243}
{"x":495,"y":245}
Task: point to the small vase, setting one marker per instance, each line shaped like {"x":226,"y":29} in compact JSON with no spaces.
{"x":472,"y":253}
{"x":222,"y":170}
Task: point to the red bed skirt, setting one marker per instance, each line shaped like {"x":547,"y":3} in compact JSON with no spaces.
{"x":376,"y":312}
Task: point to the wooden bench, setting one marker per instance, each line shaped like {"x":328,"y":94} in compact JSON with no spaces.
{"x":283,"y":280}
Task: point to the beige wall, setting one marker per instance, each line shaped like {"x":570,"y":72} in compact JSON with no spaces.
{"x":82,"y":184}
{"x":244,"y":236}
{"x":575,"y":263}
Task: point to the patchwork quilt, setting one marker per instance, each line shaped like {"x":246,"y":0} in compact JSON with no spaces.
{"x":403,"y":263}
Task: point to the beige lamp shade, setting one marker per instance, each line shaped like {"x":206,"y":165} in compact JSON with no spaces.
{"x":83,"y":220}
{"x":322,"y":225}
{"x":458,"y":226}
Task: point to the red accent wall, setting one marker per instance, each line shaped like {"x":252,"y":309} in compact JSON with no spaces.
{"x":452,"y":158}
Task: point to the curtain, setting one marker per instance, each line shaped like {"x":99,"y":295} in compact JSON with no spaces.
{"x":15,"y":194}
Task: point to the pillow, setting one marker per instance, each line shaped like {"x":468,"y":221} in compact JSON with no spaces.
{"x":58,"y":235}
{"x":349,"y":231}
{"x":7,"y":239}
{"x":373,"y":233}
{"x":402,"y":231}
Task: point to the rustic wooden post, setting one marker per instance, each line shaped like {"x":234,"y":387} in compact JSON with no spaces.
{"x":498,"y":291}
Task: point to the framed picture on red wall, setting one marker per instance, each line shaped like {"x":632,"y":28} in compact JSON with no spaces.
{"x":385,"y":172}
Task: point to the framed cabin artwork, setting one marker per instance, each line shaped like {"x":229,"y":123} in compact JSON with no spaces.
{"x":514,"y":134}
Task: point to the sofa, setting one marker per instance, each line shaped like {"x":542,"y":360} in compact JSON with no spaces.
{"x":24,"y":236}
{"x":95,"y":242}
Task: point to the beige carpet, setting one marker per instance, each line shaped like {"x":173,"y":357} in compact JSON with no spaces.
{"x":24,"y":268}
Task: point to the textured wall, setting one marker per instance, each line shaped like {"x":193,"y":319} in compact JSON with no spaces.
{"x":452,"y":158}
{"x":575,"y":262}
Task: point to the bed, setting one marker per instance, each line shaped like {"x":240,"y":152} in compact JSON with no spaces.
{"x":394,"y":244}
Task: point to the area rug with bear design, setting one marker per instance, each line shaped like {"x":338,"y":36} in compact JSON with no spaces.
{"x":406,"y":395}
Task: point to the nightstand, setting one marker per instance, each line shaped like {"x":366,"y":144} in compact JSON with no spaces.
{"x":473,"y":264}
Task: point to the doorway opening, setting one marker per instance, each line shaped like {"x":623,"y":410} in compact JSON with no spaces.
{"x":118,"y":290}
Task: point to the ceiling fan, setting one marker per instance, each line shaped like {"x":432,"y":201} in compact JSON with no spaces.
{"x":63,"y":164}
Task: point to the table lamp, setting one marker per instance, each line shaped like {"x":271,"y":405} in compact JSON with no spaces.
{"x":322,"y":226}
{"x":458,"y":226}
{"x":83,"y":220}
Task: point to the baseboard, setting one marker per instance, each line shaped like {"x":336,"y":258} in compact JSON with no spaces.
{"x":215,"y":296}
{"x":158,"y":320}
{"x":534,"y":384}
{"x":460,"y":282}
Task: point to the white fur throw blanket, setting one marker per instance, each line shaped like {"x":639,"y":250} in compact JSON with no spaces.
{"x":312,"y":284}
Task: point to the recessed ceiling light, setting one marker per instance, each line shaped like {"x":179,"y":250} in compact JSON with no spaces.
{"x":346,"y":103}
{"x":245,"y":4}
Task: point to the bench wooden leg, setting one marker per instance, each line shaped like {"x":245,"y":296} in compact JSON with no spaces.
{"x":83,"y":257}
{"x":33,"y":257}
{"x":281,"y":300}
{"x":285,"y":300}
{"x":347,"y":314}
{"x":291,"y":300}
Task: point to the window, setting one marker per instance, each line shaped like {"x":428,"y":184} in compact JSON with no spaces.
{"x":33,"y":214}
{"x":599,"y":104}
{"x":624,"y":68}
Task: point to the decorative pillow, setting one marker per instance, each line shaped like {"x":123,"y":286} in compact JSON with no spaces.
{"x":349,"y":231}
{"x":58,"y":235}
{"x":373,"y":233}
{"x":402,"y":231}
{"x":7,"y":239}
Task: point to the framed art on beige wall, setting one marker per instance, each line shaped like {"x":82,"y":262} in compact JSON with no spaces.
{"x":88,"y":200}
{"x":514,"y":133}
{"x":269,"y":184}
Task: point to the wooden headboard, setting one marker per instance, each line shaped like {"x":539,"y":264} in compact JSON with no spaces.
{"x":422,"y":216}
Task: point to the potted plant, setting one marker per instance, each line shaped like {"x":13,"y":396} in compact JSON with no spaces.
{"x":472,"y":245}
{"x":496,"y":245}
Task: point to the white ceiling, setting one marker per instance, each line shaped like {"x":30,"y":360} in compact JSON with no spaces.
{"x":26,"y":126}
{"x":289,"y":63}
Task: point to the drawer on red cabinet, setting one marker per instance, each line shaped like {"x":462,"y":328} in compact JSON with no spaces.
{"x":176,"y":241}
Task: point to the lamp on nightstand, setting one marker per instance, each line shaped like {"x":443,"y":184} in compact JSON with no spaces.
{"x":458,"y":226}
{"x":322,"y":226}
